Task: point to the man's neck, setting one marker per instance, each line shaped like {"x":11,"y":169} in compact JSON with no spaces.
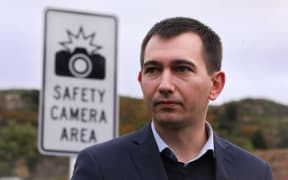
{"x":185,"y":142}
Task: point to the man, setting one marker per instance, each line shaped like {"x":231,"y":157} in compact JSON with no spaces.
{"x":180,"y":74}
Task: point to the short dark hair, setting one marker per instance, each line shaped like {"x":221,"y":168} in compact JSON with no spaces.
{"x":172,"y":27}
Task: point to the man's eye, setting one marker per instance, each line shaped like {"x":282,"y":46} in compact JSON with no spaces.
{"x":151,"y":70}
{"x":182,"y":69}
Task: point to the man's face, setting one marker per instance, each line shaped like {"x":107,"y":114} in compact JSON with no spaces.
{"x":174,"y":80}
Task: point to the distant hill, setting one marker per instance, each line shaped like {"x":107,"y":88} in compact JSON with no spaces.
{"x":19,"y":105}
{"x":254,"y":123}
{"x":251,"y":123}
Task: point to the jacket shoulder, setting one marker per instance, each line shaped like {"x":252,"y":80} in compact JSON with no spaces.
{"x":242,"y":162}
{"x":115,"y":145}
{"x":239,"y":153}
{"x":98,"y":161}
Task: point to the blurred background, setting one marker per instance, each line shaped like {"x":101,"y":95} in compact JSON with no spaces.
{"x":252,"y":111}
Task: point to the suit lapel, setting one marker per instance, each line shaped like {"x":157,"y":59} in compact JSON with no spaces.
{"x":223,"y":159}
{"x":146,"y":156}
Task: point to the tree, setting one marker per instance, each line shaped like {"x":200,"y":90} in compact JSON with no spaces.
{"x":227,"y":119}
{"x":16,"y":142}
{"x":258,"y":140}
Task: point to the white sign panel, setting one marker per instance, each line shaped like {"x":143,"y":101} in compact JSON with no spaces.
{"x":79,"y":98}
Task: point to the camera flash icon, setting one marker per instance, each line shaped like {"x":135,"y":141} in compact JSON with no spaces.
{"x":80,"y":59}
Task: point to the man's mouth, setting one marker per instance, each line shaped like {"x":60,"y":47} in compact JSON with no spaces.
{"x":167,"y":103}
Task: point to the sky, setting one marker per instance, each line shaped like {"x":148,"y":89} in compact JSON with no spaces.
{"x":253,"y":33}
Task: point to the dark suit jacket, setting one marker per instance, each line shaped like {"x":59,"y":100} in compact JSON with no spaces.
{"x":136,"y":157}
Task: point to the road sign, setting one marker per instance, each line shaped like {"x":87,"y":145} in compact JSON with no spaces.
{"x":79,"y":99}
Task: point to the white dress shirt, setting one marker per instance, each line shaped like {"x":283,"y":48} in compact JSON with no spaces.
{"x":209,"y":145}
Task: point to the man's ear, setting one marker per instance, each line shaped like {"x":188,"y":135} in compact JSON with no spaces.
{"x":140,"y":76}
{"x":218,"y":82}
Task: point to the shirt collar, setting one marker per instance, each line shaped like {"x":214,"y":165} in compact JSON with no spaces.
{"x":209,"y":145}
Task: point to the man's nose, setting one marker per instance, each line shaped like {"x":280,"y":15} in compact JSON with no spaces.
{"x":166,"y":85}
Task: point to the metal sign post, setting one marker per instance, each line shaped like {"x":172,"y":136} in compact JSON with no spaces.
{"x":79,"y":98}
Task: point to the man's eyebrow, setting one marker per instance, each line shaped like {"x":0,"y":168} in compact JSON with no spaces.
{"x":184,"y":62}
{"x":173,"y":63}
{"x":150,"y":62}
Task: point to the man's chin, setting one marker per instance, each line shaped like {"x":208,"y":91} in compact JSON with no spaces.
{"x":168,"y":120}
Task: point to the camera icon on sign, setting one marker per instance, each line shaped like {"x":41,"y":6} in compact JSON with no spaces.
{"x":76,"y":61}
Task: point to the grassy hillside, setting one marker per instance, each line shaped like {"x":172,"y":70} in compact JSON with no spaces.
{"x":259,"y":123}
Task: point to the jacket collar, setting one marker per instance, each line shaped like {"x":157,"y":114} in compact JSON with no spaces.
{"x":223,"y":159}
{"x":146,"y":156}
